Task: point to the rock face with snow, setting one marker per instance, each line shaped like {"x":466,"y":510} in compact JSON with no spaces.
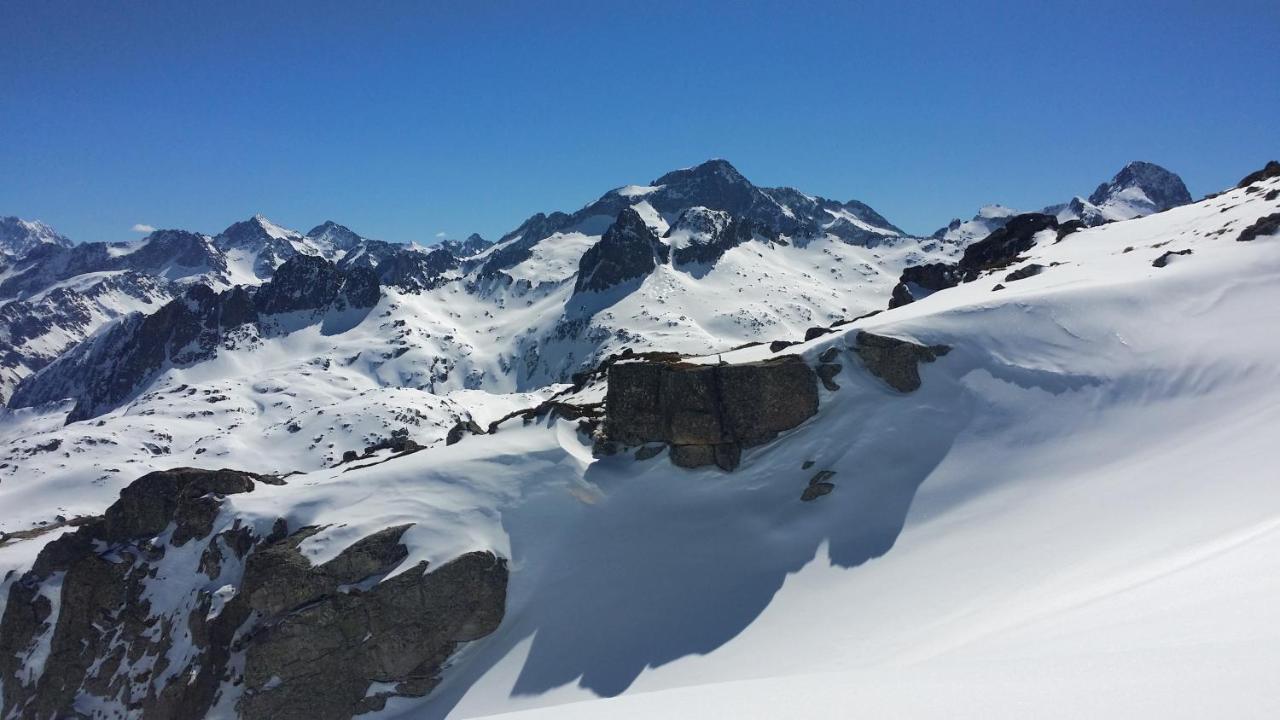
{"x":627,"y":251}
{"x":117,"y":364}
{"x":239,"y":608}
{"x":1139,"y":189}
{"x":999,"y":249}
{"x":708,"y":413}
{"x":18,"y":238}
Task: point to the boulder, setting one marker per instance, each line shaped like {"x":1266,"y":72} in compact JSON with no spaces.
{"x":827,"y":373}
{"x":1266,"y":225}
{"x":1024,"y":272}
{"x":708,"y":413}
{"x":1168,"y":257}
{"x":895,"y":361}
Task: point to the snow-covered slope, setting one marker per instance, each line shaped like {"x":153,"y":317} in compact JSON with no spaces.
{"x":1079,"y":495}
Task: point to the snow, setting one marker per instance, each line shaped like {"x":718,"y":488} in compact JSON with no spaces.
{"x":632,"y":191}
{"x":1075,"y":515}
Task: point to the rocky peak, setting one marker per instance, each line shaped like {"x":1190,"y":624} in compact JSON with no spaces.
{"x":715,"y":184}
{"x":628,"y":250}
{"x":473,"y":245}
{"x":1162,"y":188}
{"x":255,"y":231}
{"x":19,"y":237}
{"x":333,"y":235}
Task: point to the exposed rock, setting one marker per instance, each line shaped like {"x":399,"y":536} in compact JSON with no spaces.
{"x":780,"y":345}
{"x":1266,"y":225}
{"x":930,"y":278}
{"x":320,"y":660}
{"x":1069,"y":227}
{"x":1162,"y":189}
{"x":88,"y":656}
{"x":627,"y":250}
{"x":815,"y":332}
{"x":701,"y":235}
{"x":458,"y":431}
{"x":1003,"y":246}
{"x":999,"y":249}
{"x":819,"y":485}
{"x":1270,"y":170}
{"x":311,"y":639}
{"x":827,"y":373}
{"x":1024,"y":272}
{"x":829,"y":354}
{"x":1168,"y":256}
{"x":708,"y":413}
{"x":895,"y":361}
{"x":816,"y":490}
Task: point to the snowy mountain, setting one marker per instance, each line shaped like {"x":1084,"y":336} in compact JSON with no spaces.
{"x":19,"y":237}
{"x":1140,"y":188}
{"x":666,"y":456}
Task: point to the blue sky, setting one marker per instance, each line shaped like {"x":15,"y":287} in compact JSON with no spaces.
{"x":403,"y":120}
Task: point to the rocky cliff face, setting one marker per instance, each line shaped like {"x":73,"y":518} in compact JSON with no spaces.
{"x":708,"y":413}
{"x":19,"y":237}
{"x":167,"y":607}
{"x":628,"y":250}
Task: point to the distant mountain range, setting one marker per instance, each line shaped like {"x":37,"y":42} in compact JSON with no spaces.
{"x":55,"y":294}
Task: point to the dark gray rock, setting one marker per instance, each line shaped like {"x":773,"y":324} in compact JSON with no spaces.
{"x":816,"y":490}
{"x":708,"y":413}
{"x":1263,"y":226}
{"x":311,"y":639}
{"x":1163,"y":188}
{"x":827,"y":373}
{"x":1168,"y":256}
{"x":319,"y":661}
{"x":895,"y":361}
{"x":1024,"y":272}
{"x":84,"y":651}
{"x":1270,"y":170}
{"x":627,"y":250}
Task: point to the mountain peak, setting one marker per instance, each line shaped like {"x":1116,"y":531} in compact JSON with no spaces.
{"x":1163,"y":189}
{"x":715,"y":169}
{"x":19,"y":237}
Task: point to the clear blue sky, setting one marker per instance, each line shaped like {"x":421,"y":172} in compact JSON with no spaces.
{"x":402,"y":120}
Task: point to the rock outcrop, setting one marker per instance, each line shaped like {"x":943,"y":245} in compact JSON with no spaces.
{"x":895,"y":361}
{"x":165,"y":606}
{"x":708,"y":413}
{"x":1270,"y":170}
{"x":999,"y":249}
{"x":1262,"y":227}
{"x":628,"y":250}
